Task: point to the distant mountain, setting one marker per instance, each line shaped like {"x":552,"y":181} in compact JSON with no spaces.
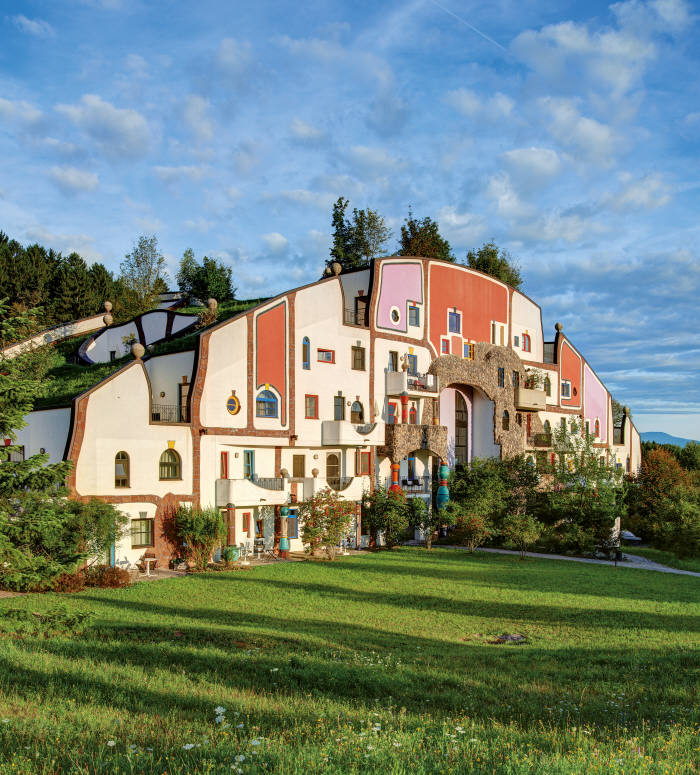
{"x":665,"y":438}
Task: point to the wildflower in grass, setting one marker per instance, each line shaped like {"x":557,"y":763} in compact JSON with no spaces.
{"x":188,"y":746}
{"x":240,"y":757}
{"x":219,"y":711}
{"x":219,"y":720}
{"x":255,"y":742}
{"x":111,"y":743}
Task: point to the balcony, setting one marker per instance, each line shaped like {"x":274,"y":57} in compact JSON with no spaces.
{"x":420,"y":485}
{"x":402,"y":439}
{"x":339,"y":483}
{"x":169,"y":413}
{"x":529,"y":400}
{"x":540,"y":440}
{"x":355,"y":317}
{"x":341,"y":433}
{"x":261,"y":491}
{"x":398,"y":382}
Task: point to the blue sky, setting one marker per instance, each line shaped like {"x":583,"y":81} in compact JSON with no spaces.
{"x":567,"y":132}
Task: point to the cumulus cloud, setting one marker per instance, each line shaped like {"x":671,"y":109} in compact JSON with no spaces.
{"x":73,"y":181}
{"x":374,"y":159}
{"x":306,"y":198}
{"x":83,"y":244}
{"x":118,"y":132}
{"x":508,"y":203}
{"x":20,"y":112}
{"x":36,"y":27}
{"x":197,"y":117}
{"x":234,"y":58}
{"x":191,"y":172}
{"x":276,"y":243}
{"x":532,"y":163}
{"x":201,"y":225}
{"x":304,"y":132}
{"x":469,"y":103}
{"x":596,"y":141}
{"x":461,"y":228}
{"x":645,"y":193}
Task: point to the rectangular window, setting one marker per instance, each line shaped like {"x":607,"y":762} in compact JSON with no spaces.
{"x":358,"y":358}
{"x":454,"y":322}
{"x":501,"y":377}
{"x":311,"y":407}
{"x":306,"y":353}
{"x":393,"y":360}
{"x":17,"y":456}
{"x":445,"y":347}
{"x":259,"y":528}
{"x":493,"y":333}
{"x":469,"y":351}
{"x":516,"y":341}
{"x":361,"y":463}
{"x":413,"y":316}
{"x":229,"y":516}
{"x":391,"y":414}
{"x":413,"y":365}
{"x":338,"y":407}
{"x":326,"y":356}
{"x":565,"y":388}
{"x":224,"y":465}
{"x":248,"y":463}
{"x":411,"y":468}
{"x":516,"y":379}
{"x":246,"y":522}
{"x":502,"y":335}
{"x":141,"y":533}
{"x":526,"y":343}
{"x":298,"y":466}
{"x":292,"y":524}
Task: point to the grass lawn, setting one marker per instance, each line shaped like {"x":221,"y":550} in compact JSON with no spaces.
{"x":665,"y":558}
{"x":371,"y":664}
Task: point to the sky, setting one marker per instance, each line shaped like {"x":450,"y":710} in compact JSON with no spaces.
{"x":567,"y":132}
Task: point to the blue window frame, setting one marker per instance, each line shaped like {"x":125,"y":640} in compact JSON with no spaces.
{"x":266,"y":404}
{"x":413,"y":365}
{"x":455,"y":322}
{"x":391,"y":414}
{"x":516,"y":340}
{"x":306,"y":353}
{"x":248,"y":463}
{"x":413,"y":316}
{"x":292,"y":524}
{"x":445,"y":347}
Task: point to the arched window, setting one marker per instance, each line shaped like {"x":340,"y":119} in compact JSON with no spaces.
{"x":266,"y":404}
{"x":596,"y":428}
{"x":548,"y":386}
{"x":306,"y":353}
{"x":506,"y":420}
{"x":526,"y":343}
{"x":121,"y":469}
{"x":413,"y":415}
{"x":333,"y":470}
{"x":357,"y":413}
{"x":170,"y":465}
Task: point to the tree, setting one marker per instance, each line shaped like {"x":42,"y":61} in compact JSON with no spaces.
{"x":689,"y":456}
{"x":480,"y":489}
{"x":422,"y":238}
{"x":497,"y":263}
{"x":142,"y":274}
{"x":73,"y":294}
{"x":388,"y":513}
{"x":618,"y":412}
{"x":326,"y":520}
{"x":359,"y":240}
{"x":210,"y":279}
{"x":199,"y":531}
{"x":521,"y":530}
{"x":474,"y":530}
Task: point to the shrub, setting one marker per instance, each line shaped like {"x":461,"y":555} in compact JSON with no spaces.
{"x":567,"y":538}
{"x":521,"y":531}
{"x":106,"y":576}
{"x":326,"y":520}
{"x":473,"y":531}
{"x":68,"y":582}
{"x":390,"y":513}
{"x":199,"y":531}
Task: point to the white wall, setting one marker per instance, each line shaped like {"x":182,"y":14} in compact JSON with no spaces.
{"x":124,"y":555}
{"x":483,"y":427}
{"x":382,"y":348}
{"x":56,"y":334}
{"x":47,"y":428}
{"x":352,"y":283}
{"x":527,"y":319}
{"x":166,"y":372}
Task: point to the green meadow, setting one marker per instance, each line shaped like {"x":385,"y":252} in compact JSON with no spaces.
{"x":381,"y":663}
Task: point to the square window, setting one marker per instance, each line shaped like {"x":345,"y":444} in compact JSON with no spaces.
{"x":358,"y":358}
{"x":326,"y":356}
{"x":141,"y":533}
{"x":445,"y":346}
{"x":311,"y":407}
{"x":454,"y":322}
{"x":413,"y":316}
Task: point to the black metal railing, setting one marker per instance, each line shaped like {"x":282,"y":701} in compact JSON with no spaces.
{"x":339,"y":483}
{"x":421,"y":485}
{"x":354,"y":317}
{"x":268,"y":482}
{"x":168,"y":413}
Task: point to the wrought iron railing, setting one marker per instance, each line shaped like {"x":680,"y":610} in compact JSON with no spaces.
{"x":339,"y":483}
{"x":354,"y":317}
{"x":268,"y":482}
{"x":168,"y":413}
{"x":421,"y":485}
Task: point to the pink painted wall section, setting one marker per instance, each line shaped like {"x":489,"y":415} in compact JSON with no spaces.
{"x":400,"y":284}
{"x":595,"y":402}
{"x":271,"y":352}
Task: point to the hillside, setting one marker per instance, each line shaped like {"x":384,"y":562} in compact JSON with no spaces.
{"x":665,"y":438}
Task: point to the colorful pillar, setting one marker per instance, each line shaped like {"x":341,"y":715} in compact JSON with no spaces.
{"x":395,"y":486}
{"x":404,"y":408}
{"x":284,"y":534}
{"x":443,"y":493}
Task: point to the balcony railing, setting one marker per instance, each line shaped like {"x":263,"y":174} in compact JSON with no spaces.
{"x":398,"y":382}
{"x":421,"y":485}
{"x":268,"y":482}
{"x":354,"y":317}
{"x":168,"y":413}
{"x":339,"y":483}
{"x":541,"y":440}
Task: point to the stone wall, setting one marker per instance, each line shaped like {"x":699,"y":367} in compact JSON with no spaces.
{"x":402,"y":439}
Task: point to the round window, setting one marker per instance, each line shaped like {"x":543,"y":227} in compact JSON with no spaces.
{"x":395,"y":315}
{"x":233,"y":405}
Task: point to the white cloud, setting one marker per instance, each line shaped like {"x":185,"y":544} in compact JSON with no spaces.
{"x":306,"y":133}
{"x":595,"y":140}
{"x":374,"y":159}
{"x":276,"y":243}
{"x":469,"y":103}
{"x":233,"y":57}
{"x":20,"y":112}
{"x":555,"y":227}
{"x":72,"y":181}
{"x":136,"y":65}
{"x":65,"y":243}
{"x":461,"y":228}
{"x":306,"y":198}
{"x":197,"y":117}
{"x":508,"y":202}
{"x":65,"y":149}
{"x":118,"y":132}
{"x":199,"y":224}
{"x":646,"y":193}
{"x":36,"y":27}
{"x":674,"y":12}
{"x":529,"y":163}
{"x":191,"y":172}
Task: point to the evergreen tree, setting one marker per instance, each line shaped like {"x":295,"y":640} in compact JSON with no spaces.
{"x":497,"y":263}
{"x":73,"y":294}
{"x":357,"y":241}
{"x":422,"y":238}
{"x":210,"y":279}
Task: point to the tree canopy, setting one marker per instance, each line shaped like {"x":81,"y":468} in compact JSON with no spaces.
{"x":210,"y":279}
{"x":357,"y":240}
{"x":143,"y":274}
{"x":495,"y":262}
{"x":421,"y":237}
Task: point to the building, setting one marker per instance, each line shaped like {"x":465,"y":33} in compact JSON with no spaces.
{"x":353,"y":382}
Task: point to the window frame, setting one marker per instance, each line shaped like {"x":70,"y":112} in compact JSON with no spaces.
{"x":356,"y":351}
{"x":547,"y":386}
{"x":413,"y":315}
{"x":468,"y":351}
{"x":223,"y":465}
{"x":249,"y":464}
{"x":527,"y":343}
{"x":353,"y":413}
{"x":293,"y":518}
{"x":151,"y":530}
{"x":177,"y":463}
{"x":505,"y":420}
{"x":412,"y":365}
{"x":393,"y":361}
{"x":444,"y":347}
{"x":313,"y":397}
{"x":295,"y":460}
{"x":324,"y":350}
{"x":127,"y":475}
{"x":306,"y":353}
{"x":565,"y":393}
{"x":391,"y":413}
{"x":454,"y":317}
{"x":501,"y":377}
{"x":245,"y":524}
{"x":413,"y":414}
{"x":265,"y":399}
{"x":339,"y":404}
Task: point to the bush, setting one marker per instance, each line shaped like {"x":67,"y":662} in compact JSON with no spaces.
{"x":473,"y":531}
{"x":199,"y":531}
{"x":521,"y":531}
{"x":326,"y":520}
{"x":105,"y":576}
{"x":68,"y":582}
{"x":567,"y":538}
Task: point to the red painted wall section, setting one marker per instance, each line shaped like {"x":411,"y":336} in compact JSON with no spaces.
{"x":570,"y":366}
{"x":271,"y":352}
{"x":480,"y":299}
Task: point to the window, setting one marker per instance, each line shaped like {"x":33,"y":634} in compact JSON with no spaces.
{"x":516,"y":341}
{"x":16,"y":454}
{"x":246,"y":522}
{"x":565,"y":388}
{"x":413,"y":414}
{"x":391,"y":414}
{"x":248,"y":463}
{"x":338,"y":407}
{"x":493,"y":333}
{"x":516,"y":379}
{"x":333,"y":468}
{"x":362,"y":462}
{"x":445,"y":347}
{"x":501,"y":377}
{"x":393,"y":360}
{"x":266,"y":404}
{"x":259,"y":528}
{"x":113,"y":355}
{"x":358,"y":358}
{"x":413,"y":316}
{"x":395,"y":315}
{"x":141,"y":532}
{"x":306,"y":353}
{"x":526,"y":343}
{"x":548,"y":386}
{"x":311,"y":407}
{"x":413,"y":365}
{"x":326,"y":356}
{"x":292,"y":524}
{"x":170,"y":465}
{"x":357,"y":414}
{"x":529,"y":424}
{"x":505,"y":422}
{"x":596,"y":428}
{"x":502,"y":335}
{"x":519,"y":418}
{"x":411,"y":468}
{"x":298,"y":466}
{"x":229,"y":516}
{"x":121,"y":469}
{"x":454,"y":322}
{"x":469,"y":351}
{"x":224,"y":465}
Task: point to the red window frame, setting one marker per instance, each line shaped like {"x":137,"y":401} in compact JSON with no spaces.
{"x":413,"y":415}
{"x":325,"y":360}
{"x":445,"y":346}
{"x":362,"y":463}
{"x":526,"y":343}
{"x":224,"y":465}
{"x":246,"y":522}
{"x":306,"y":414}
